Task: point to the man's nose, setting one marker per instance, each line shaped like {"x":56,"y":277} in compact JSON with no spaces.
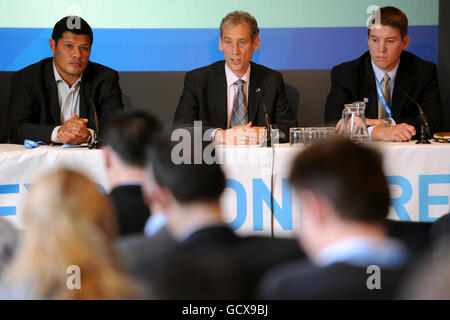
{"x":76,"y":52}
{"x":235,"y":49}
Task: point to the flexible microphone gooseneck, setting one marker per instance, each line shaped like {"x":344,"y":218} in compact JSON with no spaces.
{"x":424,"y":126}
{"x":268,"y":126}
{"x":96,"y":142}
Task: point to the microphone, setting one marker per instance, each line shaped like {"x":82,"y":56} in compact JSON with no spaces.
{"x":96,"y":143}
{"x":268,"y":125}
{"x":424,"y":126}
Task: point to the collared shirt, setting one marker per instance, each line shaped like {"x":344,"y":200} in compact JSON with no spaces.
{"x":232,"y":89}
{"x":362,"y":252}
{"x":68,"y":99}
{"x":379,"y":76}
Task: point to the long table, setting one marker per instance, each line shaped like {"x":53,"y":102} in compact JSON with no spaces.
{"x":419,"y":178}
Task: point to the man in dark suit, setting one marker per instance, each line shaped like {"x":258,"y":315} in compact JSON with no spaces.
{"x":208,"y":260}
{"x":345,"y":200}
{"x":230,"y":95}
{"x":58,"y":99}
{"x":389,"y":113}
{"x":126,"y":138}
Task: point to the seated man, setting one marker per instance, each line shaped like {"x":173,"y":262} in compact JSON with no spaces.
{"x":125,"y":139}
{"x":231,"y":95}
{"x":59,"y":99}
{"x":345,"y":200}
{"x":383,"y":76}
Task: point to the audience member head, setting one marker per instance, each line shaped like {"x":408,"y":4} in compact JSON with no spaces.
{"x":9,"y":237}
{"x":67,"y":222}
{"x":181,"y":183}
{"x":342,"y":190}
{"x":126,"y":139}
{"x":387,"y":37}
{"x":238,"y":39}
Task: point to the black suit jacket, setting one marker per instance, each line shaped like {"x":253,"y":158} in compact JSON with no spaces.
{"x":355,"y":80}
{"x":205,"y":98}
{"x":212,"y":263}
{"x":131,"y":211}
{"x":303,"y":280}
{"x":34,"y":109}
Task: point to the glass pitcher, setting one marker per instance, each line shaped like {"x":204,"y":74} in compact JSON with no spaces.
{"x":354,"y":122}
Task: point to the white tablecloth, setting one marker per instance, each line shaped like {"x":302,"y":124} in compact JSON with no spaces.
{"x":419,"y":176}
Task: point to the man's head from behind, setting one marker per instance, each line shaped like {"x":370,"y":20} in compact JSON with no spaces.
{"x":70,"y":44}
{"x":177,"y":188}
{"x":387,"y":37}
{"x":342,"y":190}
{"x":126,"y":139}
{"x":238,"y":39}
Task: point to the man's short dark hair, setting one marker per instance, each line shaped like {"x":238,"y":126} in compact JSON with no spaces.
{"x":237,"y":17}
{"x":391,"y":17}
{"x":188,"y":183}
{"x":72,"y":24}
{"x":129,"y":135}
{"x":349,"y":176}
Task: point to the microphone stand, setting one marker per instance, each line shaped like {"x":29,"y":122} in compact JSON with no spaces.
{"x":425,"y":131}
{"x":96,"y":143}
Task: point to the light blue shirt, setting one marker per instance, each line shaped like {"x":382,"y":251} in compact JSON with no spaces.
{"x":379,"y":76}
{"x":362,"y":252}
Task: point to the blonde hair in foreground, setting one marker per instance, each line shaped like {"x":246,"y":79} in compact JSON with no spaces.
{"x":67,"y":221}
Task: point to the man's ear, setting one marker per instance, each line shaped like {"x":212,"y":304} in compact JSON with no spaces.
{"x":154,"y":194}
{"x":256,"y":44}
{"x":52,"y":44}
{"x":220,"y":44}
{"x":315,"y":204}
{"x":405,"y":42}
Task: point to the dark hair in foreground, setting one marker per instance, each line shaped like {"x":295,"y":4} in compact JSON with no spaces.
{"x":349,"y":176}
{"x":391,"y":17}
{"x":129,"y":134}
{"x":187,"y":182}
{"x":72,"y":24}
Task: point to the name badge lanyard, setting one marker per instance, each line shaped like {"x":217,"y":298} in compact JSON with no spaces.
{"x":383,"y":101}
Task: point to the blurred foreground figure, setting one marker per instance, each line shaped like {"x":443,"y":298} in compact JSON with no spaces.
{"x":344,"y":200}
{"x":65,"y":251}
{"x":205,"y":259}
{"x":9,"y":236}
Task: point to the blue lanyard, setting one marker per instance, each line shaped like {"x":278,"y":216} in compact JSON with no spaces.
{"x":383,"y":101}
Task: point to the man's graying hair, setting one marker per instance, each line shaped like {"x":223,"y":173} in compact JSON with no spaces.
{"x":237,"y":17}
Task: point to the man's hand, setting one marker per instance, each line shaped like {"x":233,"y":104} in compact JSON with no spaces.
{"x":400,"y":133}
{"x":243,"y":135}
{"x":73,"y":131}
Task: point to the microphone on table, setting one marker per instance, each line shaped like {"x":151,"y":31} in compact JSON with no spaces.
{"x":96,"y":143}
{"x":268,"y":126}
{"x":424,"y":126}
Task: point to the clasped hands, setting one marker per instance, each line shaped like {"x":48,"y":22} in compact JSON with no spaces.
{"x":402,"y":132}
{"x":243,"y":135}
{"x":74,"y":131}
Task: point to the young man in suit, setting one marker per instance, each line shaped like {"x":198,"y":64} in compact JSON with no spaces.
{"x":126,"y":138}
{"x":382,"y":75}
{"x":345,"y":199}
{"x":230,"y":95}
{"x":58,"y":99}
